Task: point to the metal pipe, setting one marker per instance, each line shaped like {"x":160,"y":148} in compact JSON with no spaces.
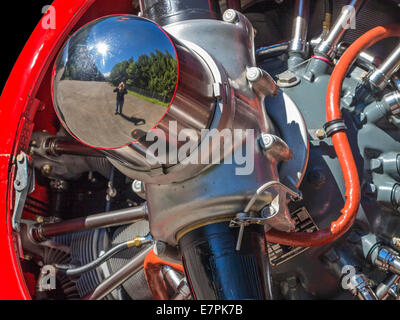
{"x":388,"y":260}
{"x":165,"y":12}
{"x":385,"y":258}
{"x":365,"y":59}
{"x":122,"y":275}
{"x":153,"y":266}
{"x":381,"y":76}
{"x":298,"y":44}
{"x":362,"y":288}
{"x":343,"y":22}
{"x":72,"y":271}
{"x":177,"y":283}
{"x":56,"y":146}
{"x":103,"y":220}
{"x":383,"y":289}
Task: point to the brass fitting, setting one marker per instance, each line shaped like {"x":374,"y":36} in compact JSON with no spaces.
{"x":137,"y":242}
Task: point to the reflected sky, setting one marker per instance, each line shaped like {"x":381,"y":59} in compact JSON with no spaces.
{"x":110,"y":43}
{"x":95,"y":60}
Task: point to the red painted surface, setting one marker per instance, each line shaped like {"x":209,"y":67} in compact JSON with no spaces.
{"x":28,"y":85}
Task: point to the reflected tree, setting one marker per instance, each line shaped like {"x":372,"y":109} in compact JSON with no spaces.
{"x":152,"y":74}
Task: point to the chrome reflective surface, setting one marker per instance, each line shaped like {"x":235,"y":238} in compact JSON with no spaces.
{"x":114,"y":77}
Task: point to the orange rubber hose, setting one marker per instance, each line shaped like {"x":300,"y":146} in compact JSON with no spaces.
{"x":153,"y":271}
{"x":342,"y":149}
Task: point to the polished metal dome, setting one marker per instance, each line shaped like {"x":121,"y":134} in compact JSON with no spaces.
{"x":114,"y":80}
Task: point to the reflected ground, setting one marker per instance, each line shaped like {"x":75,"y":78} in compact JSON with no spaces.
{"x":82,"y":108}
{"x":95,"y":61}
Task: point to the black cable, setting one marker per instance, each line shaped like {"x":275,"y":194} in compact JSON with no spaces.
{"x":272,"y":50}
{"x":328,"y":6}
{"x":76,"y":271}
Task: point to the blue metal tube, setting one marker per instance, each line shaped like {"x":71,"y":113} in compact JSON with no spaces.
{"x":216,"y":271}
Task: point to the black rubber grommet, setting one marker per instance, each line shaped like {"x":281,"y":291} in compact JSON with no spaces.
{"x":334,"y":126}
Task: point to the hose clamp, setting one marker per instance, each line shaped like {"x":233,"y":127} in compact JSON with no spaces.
{"x":334,"y":126}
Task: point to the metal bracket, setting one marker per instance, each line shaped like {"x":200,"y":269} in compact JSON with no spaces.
{"x":245,"y":219}
{"x":24,"y":184}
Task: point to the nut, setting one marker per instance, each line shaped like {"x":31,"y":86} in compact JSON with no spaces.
{"x":20,"y":158}
{"x":230,"y":16}
{"x":320,"y":134}
{"x":253,"y":74}
{"x":137,"y":186}
{"x":46,"y":169}
{"x":287,"y":79}
{"x":267,"y":140}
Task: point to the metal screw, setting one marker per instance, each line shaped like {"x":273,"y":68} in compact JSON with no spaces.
{"x":59,"y":185}
{"x":253,"y":74}
{"x":111,"y":191}
{"x":396,"y":243}
{"x":20,"y":158}
{"x":287,"y":79}
{"x":39,"y":219}
{"x":28,"y":257}
{"x":266,"y":141}
{"x":321,"y":134}
{"x":230,"y":16}
{"x":137,"y":186}
{"x":46,"y":169}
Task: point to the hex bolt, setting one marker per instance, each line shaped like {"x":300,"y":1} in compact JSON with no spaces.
{"x":396,"y":243}
{"x":28,"y":257}
{"x":253,"y":74}
{"x":59,"y":185}
{"x":46,"y":169}
{"x":111,"y":191}
{"x":321,"y":134}
{"x":267,"y":141}
{"x":287,"y":79}
{"x":230,"y":16}
{"x":20,"y":158}
{"x":137,"y":186}
{"x":39,"y":219}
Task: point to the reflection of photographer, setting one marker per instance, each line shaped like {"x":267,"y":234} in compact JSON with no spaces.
{"x":121,"y":92}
